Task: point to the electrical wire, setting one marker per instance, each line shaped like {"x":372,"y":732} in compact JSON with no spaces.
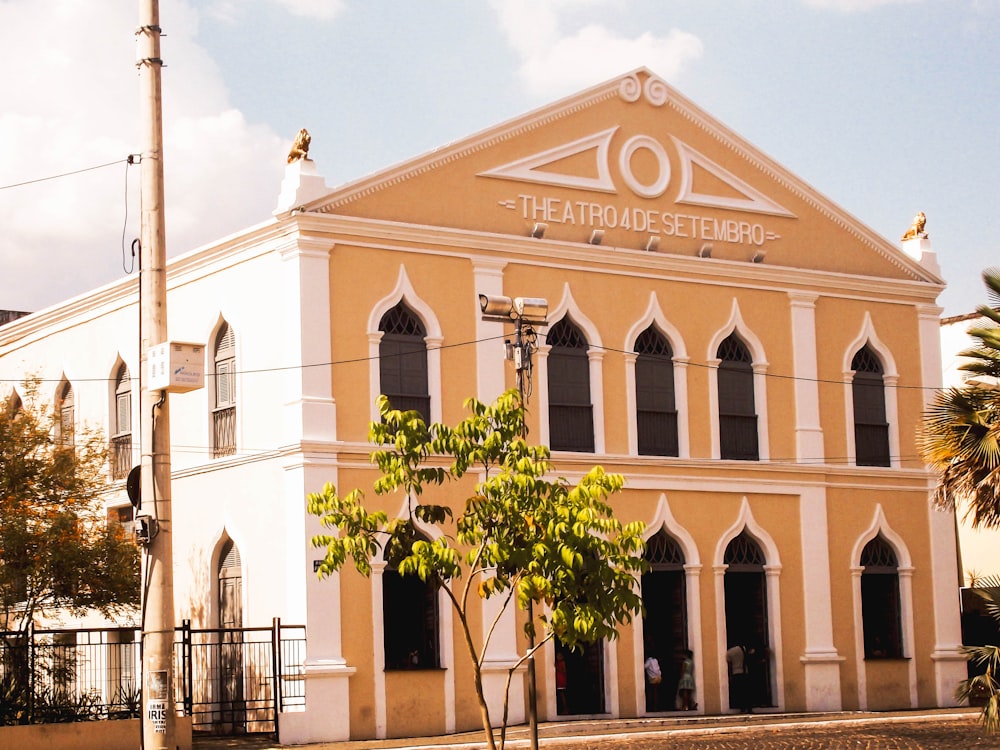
{"x":357,"y":360}
{"x":64,"y":174}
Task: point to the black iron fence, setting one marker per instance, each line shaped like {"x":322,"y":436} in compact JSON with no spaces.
{"x":50,"y":676}
{"x":230,"y":681}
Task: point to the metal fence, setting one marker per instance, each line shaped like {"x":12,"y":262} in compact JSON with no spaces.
{"x":230,"y":681}
{"x":50,"y":676}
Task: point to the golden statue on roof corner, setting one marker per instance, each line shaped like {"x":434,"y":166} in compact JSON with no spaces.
{"x":300,"y":149}
{"x":916,"y":229}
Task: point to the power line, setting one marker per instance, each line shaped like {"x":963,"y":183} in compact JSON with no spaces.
{"x":127,"y":160}
{"x":357,"y":360}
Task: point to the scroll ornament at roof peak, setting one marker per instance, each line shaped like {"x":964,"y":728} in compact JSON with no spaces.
{"x":654,"y":89}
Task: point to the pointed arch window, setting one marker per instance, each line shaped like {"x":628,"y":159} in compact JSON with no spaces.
{"x":871,"y":429}
{"x":121,"y":420}
{"x":737,"y":409}
{"x":571,"y":414}
{"x":409,"y":619}
{"x":403,"y":361}
{"x":656,"y":411}
{"x":224,"y":406}
{"x":65,"y":416}
{"x":880,"y":601}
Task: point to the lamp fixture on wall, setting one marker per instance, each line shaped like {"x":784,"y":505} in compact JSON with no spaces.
{"x":596,"y":236}
{"x":758,"y":256}
{"x":538,"y":231}
{"x":705,"y":251}
{"x":652,"y":244}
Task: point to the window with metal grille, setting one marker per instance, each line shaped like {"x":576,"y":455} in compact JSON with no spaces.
{"x":871,"y":430}
{"x":409,"y":620}
{"x":656,"y":413}
{"x":880,"y":604}
{"x":737,"y":410}
{"x":402,"y":355}
{"x":66,"y":411}
{"x":224,"y":409}
{"x":571,"y":415}
{"x":664,"y":553}
{"x":744,"y":552}
{"x":121,"y":438}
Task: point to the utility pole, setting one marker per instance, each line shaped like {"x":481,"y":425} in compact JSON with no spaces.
{"x":525,"y":312}
{"x":158,"y":717}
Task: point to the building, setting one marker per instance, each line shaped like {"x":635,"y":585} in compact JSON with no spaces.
{"x":752,"y":358}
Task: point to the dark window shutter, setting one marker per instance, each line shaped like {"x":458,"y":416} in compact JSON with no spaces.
{"x":571,"y":415}
{"x":737,"y":411}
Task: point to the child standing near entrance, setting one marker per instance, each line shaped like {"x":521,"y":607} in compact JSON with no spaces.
{"x":686,"y":686}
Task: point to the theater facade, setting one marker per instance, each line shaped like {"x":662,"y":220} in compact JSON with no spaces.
{"x":752,"y":358}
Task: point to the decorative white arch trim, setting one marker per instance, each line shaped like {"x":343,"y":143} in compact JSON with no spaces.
{"x":904,"y":570}
{"x":403,"y":292}
{"x":663,"y":520}
{"x":890,"y":379}
{"x":736,"y":325}
{"x":545,"y":659}
{"x":446,"y":643}
{"x":654,"y":317}
{"x":772,"y":572}
{"x":222,"y":535}
{"x":568,"y":307}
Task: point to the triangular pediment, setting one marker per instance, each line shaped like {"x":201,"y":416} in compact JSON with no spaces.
{"x":634,"y":165}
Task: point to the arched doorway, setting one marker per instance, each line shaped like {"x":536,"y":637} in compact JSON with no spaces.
{"x":664,"y":625}
{"x":580,"y":689}
{"x":232,"y":702}
{"x":746,"y":614}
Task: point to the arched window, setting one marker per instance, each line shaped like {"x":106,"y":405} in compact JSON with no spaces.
{"x":656,"y":412}
{"x":403,"y":361}
{"x":224,"y":406}
{"x":737,"y":410}
{"x":121,"y":426}
{"x":880,"y":603}
{"x":409,"y":620}
{"x":871,"y":430}
{"x":571,"y":415}
{"x":65,"y":416}
{"x":664,"y":622}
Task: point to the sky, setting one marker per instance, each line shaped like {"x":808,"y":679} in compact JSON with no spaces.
{"x":887,"y":107}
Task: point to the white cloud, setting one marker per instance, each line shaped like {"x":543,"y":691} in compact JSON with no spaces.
{"x":319,"y":10}
{"x":76,"y":104}
{"x":555,"y":62}
{"x":853,"y":6}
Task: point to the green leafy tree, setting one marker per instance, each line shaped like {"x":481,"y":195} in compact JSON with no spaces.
{"x":960,"y":434}
{"x":984,"y":688}
{"x":57,"y":551}
{"x":521,"y":535}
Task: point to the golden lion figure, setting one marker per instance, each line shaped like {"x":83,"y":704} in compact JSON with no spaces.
{"x":916,"y":228}
{"x":300,"y":149}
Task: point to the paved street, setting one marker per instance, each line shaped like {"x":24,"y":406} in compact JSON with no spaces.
{"x":932,"y":730}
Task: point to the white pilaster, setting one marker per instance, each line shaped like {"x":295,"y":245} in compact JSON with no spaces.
{"x":315,"y":603}
{"x":310,"y":411}
{"x":949,"y":662}
{"x":808,"y":430}
{"x":821,"y":662}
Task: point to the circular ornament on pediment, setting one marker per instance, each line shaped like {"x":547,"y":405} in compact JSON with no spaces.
{"x":630,"y":89}
{"x":655,"y":91}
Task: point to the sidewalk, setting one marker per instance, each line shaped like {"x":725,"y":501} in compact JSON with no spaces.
{"x":634,"y":731}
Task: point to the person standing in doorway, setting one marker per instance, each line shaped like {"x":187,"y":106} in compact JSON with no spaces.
{"x":654,"y":676}
{"x":739,"y":678}
{"x":685,"y":686}
{"x":562,"y":685}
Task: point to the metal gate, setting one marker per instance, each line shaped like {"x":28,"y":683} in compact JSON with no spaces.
{"x":239,"y":680}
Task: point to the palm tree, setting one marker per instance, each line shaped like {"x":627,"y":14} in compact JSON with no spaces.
{"x":960,"y":434}
{"x":985,"y":687}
